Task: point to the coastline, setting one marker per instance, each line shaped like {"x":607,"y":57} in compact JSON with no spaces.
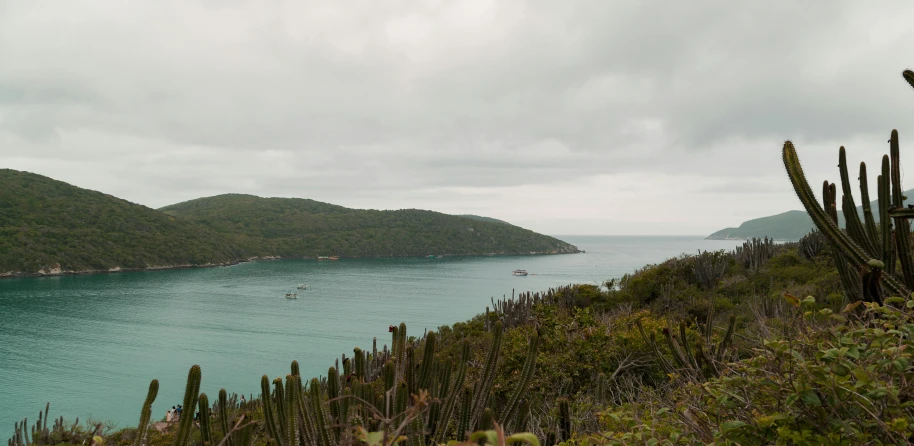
{"x":57,"y":271}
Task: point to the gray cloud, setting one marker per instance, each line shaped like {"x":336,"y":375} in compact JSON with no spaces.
{"x":452,"y":106}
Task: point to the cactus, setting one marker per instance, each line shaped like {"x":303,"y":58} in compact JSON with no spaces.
{"x":268,"y":416}
{"x":695,"y":364}
{"x":523,"y":382}
{"x":320,"y":418}
{"x":450,"y":402}
{"x":811,"y":244}
{"x":333,"y":395}
{"x":484,"y":385}
{"x":466,"y":410}
{"x":754,"y":253}
{"x":486,"y":420}
{"x":146,"y":412}
{"x":709,"y":268}
{"x":428,"y":357}
{"x":564,"y":419}
{"x":182,"y":435}
{"x":206,"y":437}
{"x":224,"y":417}
{"x":843,"y":246}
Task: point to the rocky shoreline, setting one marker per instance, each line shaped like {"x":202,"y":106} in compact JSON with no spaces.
{"x":56,"y":270}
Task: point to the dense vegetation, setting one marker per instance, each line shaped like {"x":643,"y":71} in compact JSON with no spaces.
{"x":302,"y":228}
{"x":46,"y":224}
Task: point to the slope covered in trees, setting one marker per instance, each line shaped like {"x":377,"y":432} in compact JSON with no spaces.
{"x":300,"y":228}
{"x":48,"y":224}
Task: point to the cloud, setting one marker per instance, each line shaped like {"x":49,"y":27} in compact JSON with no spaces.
{"x":453,"y":105}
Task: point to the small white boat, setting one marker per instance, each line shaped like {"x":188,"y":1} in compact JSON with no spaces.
{"x":303,"y":286}
{"x":520,"y":272}
{"x":291,"y":296}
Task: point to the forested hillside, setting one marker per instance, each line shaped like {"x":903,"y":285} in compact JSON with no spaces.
{"x":45,"y":224}
{"x":298,"y":227}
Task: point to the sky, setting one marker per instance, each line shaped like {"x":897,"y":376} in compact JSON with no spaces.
{"x":565,"y":117}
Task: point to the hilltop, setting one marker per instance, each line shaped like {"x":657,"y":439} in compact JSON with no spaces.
{"x":51,"y":226}
{"x":295,"y":227}
{"x":790,"y":225}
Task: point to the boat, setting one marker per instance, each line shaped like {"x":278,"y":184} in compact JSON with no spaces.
{"x":302,"y":286}
{"x":327,"y":258}
{"x":520,"y":272}
{"x":291,"y":296}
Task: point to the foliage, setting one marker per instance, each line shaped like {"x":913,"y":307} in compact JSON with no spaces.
{"x":295,"y":227}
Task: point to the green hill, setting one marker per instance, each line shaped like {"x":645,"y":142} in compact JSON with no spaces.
{"x":47,"y":224}
{"x":790,"y":225}
{"x":481,"y":218}
{"x":295,"y":227}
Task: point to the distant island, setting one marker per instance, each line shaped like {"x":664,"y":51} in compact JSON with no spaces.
{"x":787,"y":226}
{"x":48,"y":227}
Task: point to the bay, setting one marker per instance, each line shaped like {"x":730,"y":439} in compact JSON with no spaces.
{"x":90,"y":344}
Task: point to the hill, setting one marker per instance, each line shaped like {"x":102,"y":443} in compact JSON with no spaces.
{"x":481,"y":218}
{"x":295,"y":227}
{"x":47,"y":224}
{"x":790,"y":225}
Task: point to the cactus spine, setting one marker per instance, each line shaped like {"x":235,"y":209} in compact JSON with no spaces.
{"x":146,"y":412}
{"x":182,"y":436}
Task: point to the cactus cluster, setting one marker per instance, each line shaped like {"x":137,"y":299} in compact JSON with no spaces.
{"x":410,"y":389}
{"x":810,"y":245}
{"x":754,"y":253}
{"x":40,"y":434}
{"x":867,"y":255}
{"x":709,"y":267}
{"x":698,"y":362}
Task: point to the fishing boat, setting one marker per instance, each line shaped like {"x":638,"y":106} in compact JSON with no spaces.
{"x":302,"y":286}
{"x":520,"y":272}
{"x":291,"y":296}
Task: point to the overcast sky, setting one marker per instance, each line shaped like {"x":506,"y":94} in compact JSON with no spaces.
{"x":566,"y":117}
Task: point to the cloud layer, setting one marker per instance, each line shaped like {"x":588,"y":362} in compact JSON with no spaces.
{"x":566,"y":117}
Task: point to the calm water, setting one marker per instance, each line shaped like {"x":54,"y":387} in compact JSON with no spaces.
{"x":91,"y":344}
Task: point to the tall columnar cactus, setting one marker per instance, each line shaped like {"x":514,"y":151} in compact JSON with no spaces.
{"x":146,"y":412}
{"x":320,"y":419}
{"x":206,"y":436}
{"x":523,"y":382}
{"x":269,"y":418}
{"x":564,"y":419}
{"x":182,"y":435}
{"x":428,"y":357}
{"x":484,"y":385}
{"x":466,"y":412}
{"x":456,"y":388}
{"x":224,"y":417}
{"x":333,"y":395}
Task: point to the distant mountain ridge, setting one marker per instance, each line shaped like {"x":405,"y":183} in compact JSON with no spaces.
{"x":787,"y":226}
{"x":48,"y":227}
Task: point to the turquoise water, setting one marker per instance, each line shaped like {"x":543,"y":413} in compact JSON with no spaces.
{"x":91,"y":344}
